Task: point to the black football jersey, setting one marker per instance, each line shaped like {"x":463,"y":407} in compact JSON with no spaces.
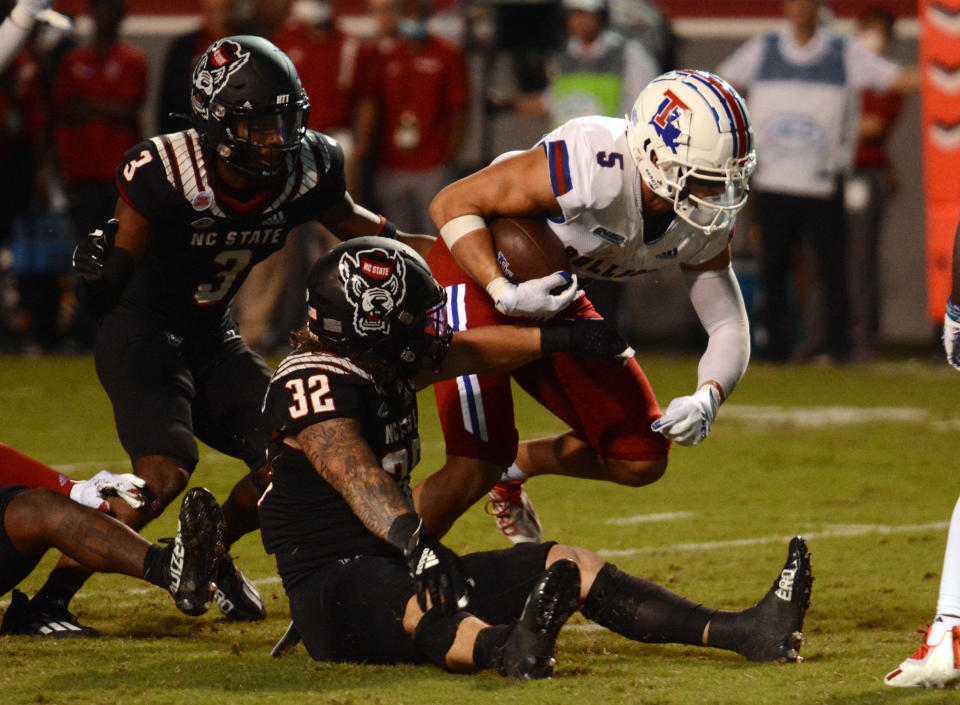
{"x":304,"y":521}
{"x":201,"y":249}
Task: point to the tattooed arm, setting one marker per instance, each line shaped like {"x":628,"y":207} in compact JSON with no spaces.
{"x":344,"y":459}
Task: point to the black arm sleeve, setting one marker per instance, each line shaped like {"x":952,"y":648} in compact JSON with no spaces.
{"x":100,"y":296}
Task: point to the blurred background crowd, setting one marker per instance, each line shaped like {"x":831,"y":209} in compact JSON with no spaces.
{"x":420,"y":92}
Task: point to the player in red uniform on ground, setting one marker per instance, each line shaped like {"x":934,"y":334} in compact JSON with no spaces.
{"x":35,"y":515}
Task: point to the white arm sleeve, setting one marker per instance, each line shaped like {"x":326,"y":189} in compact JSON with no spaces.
{"x":716,"y":297}
{"x":12,"y":39}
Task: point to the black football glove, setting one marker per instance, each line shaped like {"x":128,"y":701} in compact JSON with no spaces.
{"x":587,"y":337}
{"x":90,"y":256}
{"x":435,"y":569}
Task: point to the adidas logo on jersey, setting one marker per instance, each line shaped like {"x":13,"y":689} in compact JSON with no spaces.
{"x":668,"y":254}
{"x":277,"y":218}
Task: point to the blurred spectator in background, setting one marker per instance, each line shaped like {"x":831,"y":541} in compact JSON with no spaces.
{"x":267,"y":17}
{"x":597,"y":72}
{"x":23,"y":184}
{"x":412,"y":120}
{"x":803,"y":87}
{"x":97,"y":96}
{"x":645,"y":22}
{"x":221,"y":18}
{"x":867,"y":191}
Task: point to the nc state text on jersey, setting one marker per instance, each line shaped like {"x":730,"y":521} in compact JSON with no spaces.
{"x":233,"y":238}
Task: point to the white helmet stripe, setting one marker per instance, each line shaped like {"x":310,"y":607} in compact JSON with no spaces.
{"x":736,"y":112}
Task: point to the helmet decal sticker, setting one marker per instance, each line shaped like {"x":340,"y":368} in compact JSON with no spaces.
{"x":667,"y":114}
{"x":373,"y":282}
{"x":214,"y":70}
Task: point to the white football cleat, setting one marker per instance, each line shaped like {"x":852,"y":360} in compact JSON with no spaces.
{"x":515,"y":515}
{"x":930,"y":665}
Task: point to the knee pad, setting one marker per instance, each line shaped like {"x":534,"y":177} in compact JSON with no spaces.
{"x":435,"y":633}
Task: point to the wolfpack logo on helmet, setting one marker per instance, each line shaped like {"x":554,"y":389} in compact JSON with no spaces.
{"x":373,"y":281}
{"x":214,"y":70}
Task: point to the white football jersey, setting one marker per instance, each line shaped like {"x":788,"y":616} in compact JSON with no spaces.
{"x":598,"y":188}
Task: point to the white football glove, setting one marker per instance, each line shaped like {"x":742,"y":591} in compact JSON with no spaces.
{"x":533,"y":298}
{"x":687,"y":420}
{"x":951,"y":334}
{"x":94,"y":492}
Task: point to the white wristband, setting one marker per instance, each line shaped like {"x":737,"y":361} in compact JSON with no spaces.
{"x":495,"y":288}
{"x":456,"y":228}
{"x":21,"y":17}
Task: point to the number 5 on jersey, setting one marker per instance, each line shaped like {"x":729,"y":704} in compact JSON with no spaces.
{"x":310,"y":396}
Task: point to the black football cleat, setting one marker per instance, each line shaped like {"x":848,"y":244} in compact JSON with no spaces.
{"x":197,"y":549}
{"x":237,"y":597}
{"x":528,"y":651}
{"x":774,"y":626}
{"x":24,"y":617}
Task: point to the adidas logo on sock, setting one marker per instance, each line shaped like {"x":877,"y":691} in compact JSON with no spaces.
{"x":785,"y":588}
{"x":176,"y":562}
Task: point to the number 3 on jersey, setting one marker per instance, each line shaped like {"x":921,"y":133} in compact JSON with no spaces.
{"x":310,"y":396}
{"x":232,"y":263}
{"x":131,"y":168}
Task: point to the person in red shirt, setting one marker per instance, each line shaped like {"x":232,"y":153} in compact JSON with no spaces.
{"x":420,"y":90}
{"x":98,"y":93}
{"x":868,"y":191}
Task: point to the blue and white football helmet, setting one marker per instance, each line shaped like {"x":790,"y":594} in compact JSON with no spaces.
{"x":690,"y":136}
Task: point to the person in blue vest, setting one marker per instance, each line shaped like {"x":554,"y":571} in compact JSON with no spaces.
{"x":802,"y":87}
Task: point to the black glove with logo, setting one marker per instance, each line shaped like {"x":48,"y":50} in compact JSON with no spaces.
{"x":587,"y":337}
{"x":435,"y":569}
{"x":90,"y":256}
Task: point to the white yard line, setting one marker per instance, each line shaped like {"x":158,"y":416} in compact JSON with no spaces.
{"x":840,"y":530}
{"x":648,"y":518}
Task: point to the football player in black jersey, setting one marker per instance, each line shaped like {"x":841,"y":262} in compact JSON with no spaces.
{"x":198,"y":209}
{"x":365,"y":580}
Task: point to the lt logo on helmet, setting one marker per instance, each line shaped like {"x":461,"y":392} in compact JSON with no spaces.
{"x":373,"y":281}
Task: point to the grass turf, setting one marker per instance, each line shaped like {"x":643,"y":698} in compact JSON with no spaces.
{"x":872,"y":495}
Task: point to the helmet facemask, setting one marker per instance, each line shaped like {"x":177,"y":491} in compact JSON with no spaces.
{"x":260,"y":143}
{"x":708,"y":199}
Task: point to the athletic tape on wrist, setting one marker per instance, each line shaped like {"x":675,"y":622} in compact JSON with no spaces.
{"x":953,"y":311}
{"x":21,"y":17}
{"x":496,"y":287}
{"x":456,"y":228}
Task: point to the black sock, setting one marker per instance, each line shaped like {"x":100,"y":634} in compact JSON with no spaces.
{"x":731,"y":630}
{"x":487,"y":649}
{"x":60,"y":588}
{"x":644,"y":611}
{"x":156,"y":566}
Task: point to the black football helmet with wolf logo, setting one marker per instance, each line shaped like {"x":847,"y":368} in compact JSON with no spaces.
{"x":375,"y":298}
{"x":248,"y":105}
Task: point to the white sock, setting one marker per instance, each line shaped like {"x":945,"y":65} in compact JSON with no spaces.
{"x":949,"y":599}
{"x":514,"y":474}
{"x":941,"y":625}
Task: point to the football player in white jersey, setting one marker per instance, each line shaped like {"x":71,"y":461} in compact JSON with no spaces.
{"x":625,"y":197}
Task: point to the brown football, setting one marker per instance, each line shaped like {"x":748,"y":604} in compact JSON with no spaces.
{"x":527,"y":248}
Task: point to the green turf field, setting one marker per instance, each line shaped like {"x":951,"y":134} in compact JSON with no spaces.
{"x":862,"y":461}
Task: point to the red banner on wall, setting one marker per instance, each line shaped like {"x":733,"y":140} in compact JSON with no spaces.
{"x":940,"y":120}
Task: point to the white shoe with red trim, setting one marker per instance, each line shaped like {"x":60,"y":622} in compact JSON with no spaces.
{"x":930,"y":666}
{"x":514,"y":513}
